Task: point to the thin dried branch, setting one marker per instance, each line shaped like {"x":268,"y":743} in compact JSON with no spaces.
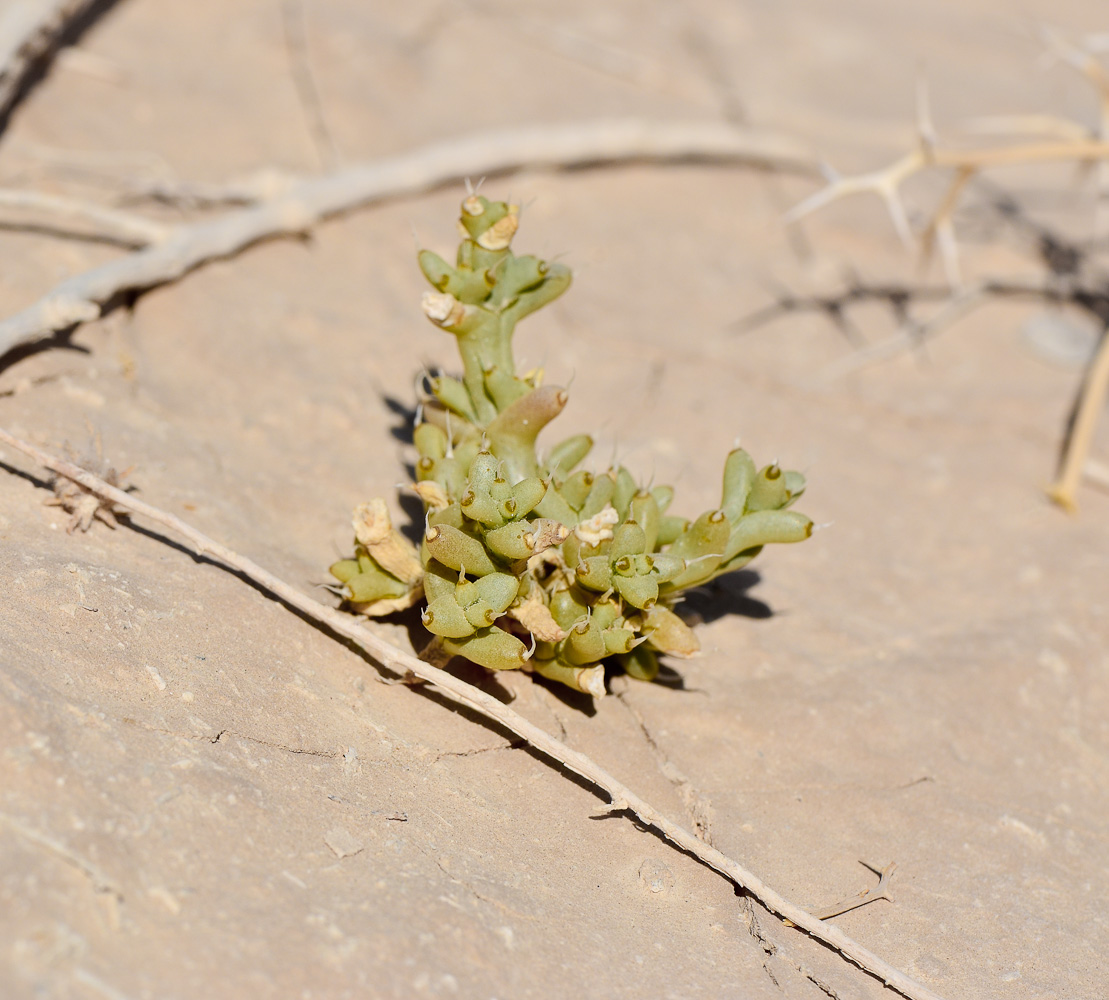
{"x":295,"y":20}
{"x":1082,"y":58}
{"x":880,"y":891}
{"x":304,"y":204}
{"x":258,"y":186}
{"x":398,"y":661}
{"x":82,"y":218}
{"x":1091,"y":400}
{"x":1065,"y":141}
{"x":940,"y":232}
{"x":886,"y":183}
{"x":29,"y":31}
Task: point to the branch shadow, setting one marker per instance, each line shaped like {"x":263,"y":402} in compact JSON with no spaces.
{"x":43,"y":484}
{"x":61,"y":340}
{"x":1068,"y":265}
{"x":37,"y":70}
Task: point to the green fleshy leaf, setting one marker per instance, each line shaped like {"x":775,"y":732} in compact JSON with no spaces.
{"x":492,"y":648}
{"x":640,"y":663}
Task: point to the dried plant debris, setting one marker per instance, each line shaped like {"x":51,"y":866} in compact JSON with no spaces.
{"x":82,"y":505}
{"x":529,"y":560}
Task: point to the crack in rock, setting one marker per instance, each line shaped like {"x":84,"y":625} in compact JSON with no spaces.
{"x":510,"y":745}
{"x":218,"y":738}
{"x":697,"y":806}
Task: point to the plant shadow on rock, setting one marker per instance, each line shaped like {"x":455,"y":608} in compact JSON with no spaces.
{"x":727,"y":595}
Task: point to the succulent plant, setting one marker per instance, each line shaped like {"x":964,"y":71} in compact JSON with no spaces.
{"x":526,"y":560}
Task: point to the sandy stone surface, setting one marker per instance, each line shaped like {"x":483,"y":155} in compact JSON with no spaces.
{"x":203,"y":794}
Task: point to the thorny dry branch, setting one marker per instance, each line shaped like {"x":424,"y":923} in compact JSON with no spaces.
{"x":397,"y":660}
{"x":1060,"y":140}
{"x":1065,"y":141}
{"x":880,"y":891}
{"x":82,"y":298}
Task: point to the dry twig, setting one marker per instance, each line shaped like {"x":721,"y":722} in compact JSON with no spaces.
{"x":81,"y":218}
{"x":295,"y":20}
{"x":250,"y":189}
{"x":880,"y":891}
{"x":302,"y":205}
{"x":396,"y":660}
{"x":1065,"y":141}
{"x":965,"y":164}
{"x":1090,"y":403}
